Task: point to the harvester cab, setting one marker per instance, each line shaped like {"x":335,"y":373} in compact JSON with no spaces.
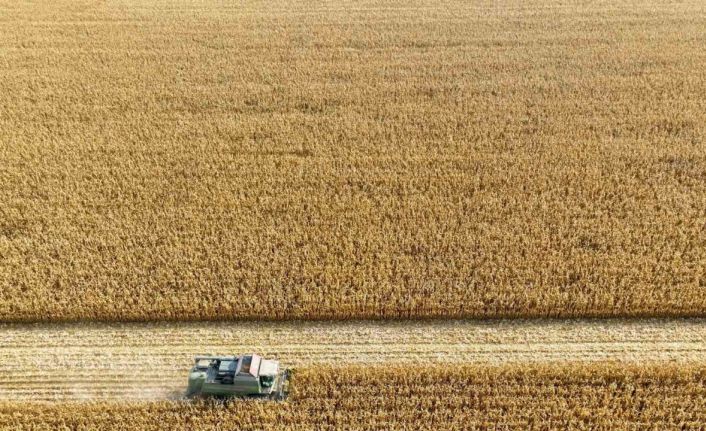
{"x":238,"y":376}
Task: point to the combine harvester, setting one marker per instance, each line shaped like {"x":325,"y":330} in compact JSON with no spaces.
{"x":238,"y":376}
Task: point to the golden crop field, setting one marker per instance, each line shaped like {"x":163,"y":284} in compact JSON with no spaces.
{"x":441,"y":214}
{"x":292,"y":159}
{"x":597,"y":397}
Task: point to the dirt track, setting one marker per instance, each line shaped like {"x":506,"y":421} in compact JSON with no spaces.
{"x":145,"y":361}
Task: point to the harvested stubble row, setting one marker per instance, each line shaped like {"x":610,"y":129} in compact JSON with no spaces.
{"x":579,"y":396}
{"x":129,"y":361}
{"x":202,"y":160}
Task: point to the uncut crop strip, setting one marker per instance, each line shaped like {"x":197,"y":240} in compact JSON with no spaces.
{"x":198,"y":160}
{"x":150,"y":361}
{"x":545,"y":396}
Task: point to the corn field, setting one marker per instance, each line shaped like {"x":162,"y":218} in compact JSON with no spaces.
{"x":185,"y":177}
{"x":597,"y":397}
{"x":201,"y":160}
